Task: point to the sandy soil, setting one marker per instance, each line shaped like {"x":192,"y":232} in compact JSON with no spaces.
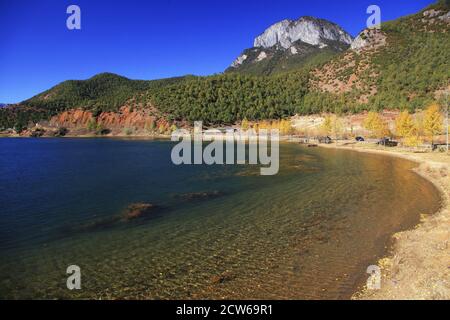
{"x":418,"y":266}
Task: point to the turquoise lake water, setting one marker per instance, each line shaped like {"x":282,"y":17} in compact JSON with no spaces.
{"x":309,"y":232}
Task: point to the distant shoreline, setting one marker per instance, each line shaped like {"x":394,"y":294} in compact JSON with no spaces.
{"x":136,"y":137}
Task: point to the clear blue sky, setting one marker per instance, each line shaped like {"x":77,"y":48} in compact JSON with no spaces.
{"x":149,"y":39}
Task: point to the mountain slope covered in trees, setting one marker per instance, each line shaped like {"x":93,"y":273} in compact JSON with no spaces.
{"x":401,"y":66}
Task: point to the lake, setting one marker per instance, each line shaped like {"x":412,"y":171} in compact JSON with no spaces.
{"x":219,"y":232}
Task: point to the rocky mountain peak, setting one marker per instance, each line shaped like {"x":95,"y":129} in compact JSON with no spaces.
{"x":290,"y":44}
{"x":310,"y":30}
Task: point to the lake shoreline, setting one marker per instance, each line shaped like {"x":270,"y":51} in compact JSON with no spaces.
{"x":91,"y":136}
{"x":416,"y":267}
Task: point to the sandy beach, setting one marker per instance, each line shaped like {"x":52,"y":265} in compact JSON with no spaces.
{"x":418,"y":265}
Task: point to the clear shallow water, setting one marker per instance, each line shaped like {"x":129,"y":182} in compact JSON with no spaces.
{"x":310,"y":232}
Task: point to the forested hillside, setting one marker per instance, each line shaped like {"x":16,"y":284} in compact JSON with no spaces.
{"x":403,"y":72}
{"x":103,"y":92}
{"x":232,"y":97}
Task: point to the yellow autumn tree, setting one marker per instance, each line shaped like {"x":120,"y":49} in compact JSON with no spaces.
{"x":327,"y":125}
{"x":275,"y":125}
{"x":264,"y":125}
{"x":173,"y":128}
{"x":338,"y":127}
{"x":407,"y":129}
{"x":163,"y":127}
{"x":245,"y":125}
{"x":332,"y":126}
{"x":376,"y":125}
{"x":285,"y":127}
{"x":404,"y":124}
{"x":412,"y":140}
{"x":433,"y":121}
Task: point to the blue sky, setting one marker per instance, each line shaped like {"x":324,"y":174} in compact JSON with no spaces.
{"x":149,"y":39}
